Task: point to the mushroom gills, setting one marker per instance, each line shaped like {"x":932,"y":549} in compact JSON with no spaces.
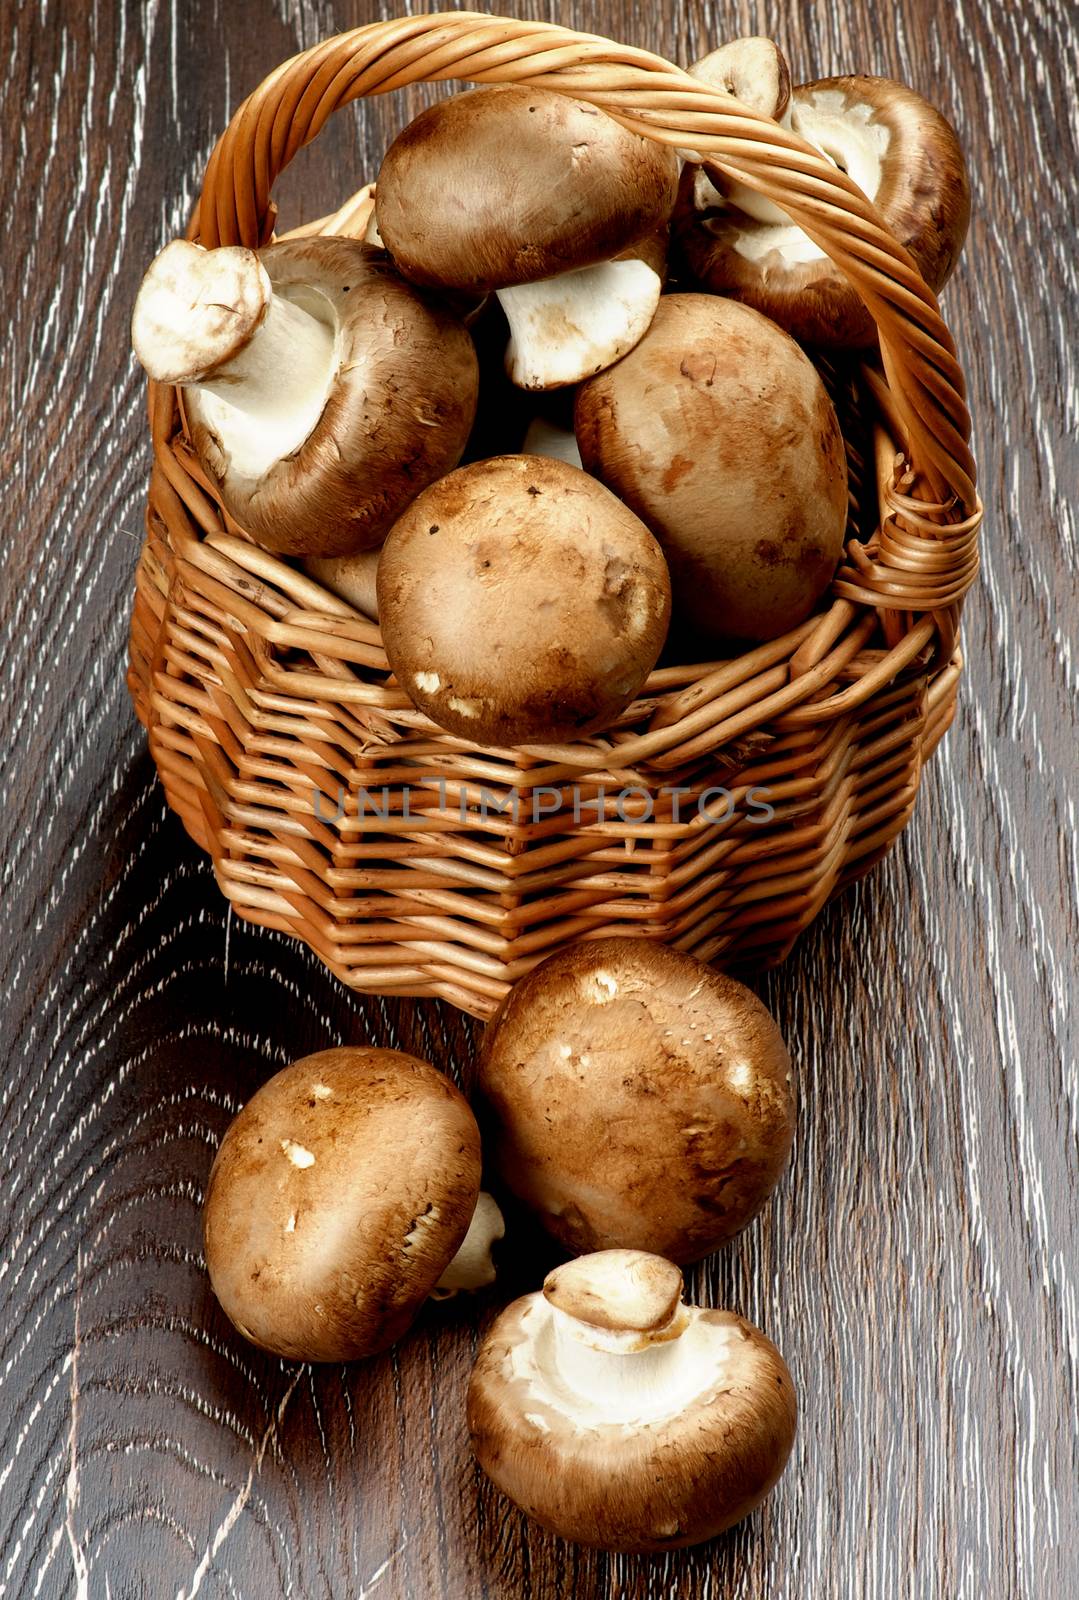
{"x":847,"y":135}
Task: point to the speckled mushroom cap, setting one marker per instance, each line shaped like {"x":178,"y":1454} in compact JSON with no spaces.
{"x":398,"y":414}
{"x":521,"y":602}
{"x":338,"y":1196}
{"x":636,"y":1098}
{"x":718,"y":432}
{"x":507,"y":185}
{"x":620,"y":1418}
{"x":899,"y":150}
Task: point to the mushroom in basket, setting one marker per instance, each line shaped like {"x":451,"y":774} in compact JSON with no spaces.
{"x":718,"y":432}
{"x":322,"y":392}
{"x":520,"y":602}
{"x":547,"y":201}
{"x":619,"y":1417}
{"x":897,"y":148}
{"x":343,"y":1196}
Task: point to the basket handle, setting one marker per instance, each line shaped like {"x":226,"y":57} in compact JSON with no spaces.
{"x":654,"y":98}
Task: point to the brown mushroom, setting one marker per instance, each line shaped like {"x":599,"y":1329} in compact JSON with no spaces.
{"x":619,"y":1417}
{"x":900,"y":152}
{"x":520,"y":602}
{"x":636,"y":1098}
{"x":322,"y":392}
{"x":527,"y":192}
{"x":341,"y":1197}
{"x":718,"y":432}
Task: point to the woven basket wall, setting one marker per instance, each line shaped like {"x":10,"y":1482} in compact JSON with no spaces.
{"x":277,"y":729}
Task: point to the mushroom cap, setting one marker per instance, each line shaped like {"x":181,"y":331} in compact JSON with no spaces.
{"x":910,"y":163}
{"x":507,"y":185}
{"x":642,"y":1465}
{"x":520,"y":602}
{"x":337,"y":1198}
{"x":397,"y":417}
{"x":718,"y":432}
{"x":636,"y":1099}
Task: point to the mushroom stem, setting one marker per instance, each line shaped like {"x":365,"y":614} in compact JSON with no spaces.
{"x":264,"y":364}
{"x":622,"y":1371}
{"x":548,"y":439}
{"x":472,"y":1266}
{"x":566,"y":328}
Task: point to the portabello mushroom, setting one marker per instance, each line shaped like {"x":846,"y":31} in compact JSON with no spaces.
{"x":633,"y":1097}
{"x":322,"y":392}
{"x":899,"y":150}
{"x":718,"y":432}
{"x":619,"y":1417}
{"x":521,"y":602}
{"x":544,"y":199}
{"x":343,"y":1195}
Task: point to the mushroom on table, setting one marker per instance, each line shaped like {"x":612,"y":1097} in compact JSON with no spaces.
{"x":343,"y":1195}
{"x":632,"y":1096}
{"x":619,"y":1417}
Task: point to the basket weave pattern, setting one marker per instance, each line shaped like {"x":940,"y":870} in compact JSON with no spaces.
{"x":414,"y":863}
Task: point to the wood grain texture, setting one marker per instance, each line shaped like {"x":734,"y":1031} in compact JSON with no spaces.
{"x":918,"y":1267}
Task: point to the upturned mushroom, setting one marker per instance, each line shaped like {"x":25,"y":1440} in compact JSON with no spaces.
{"x":633,"y":1097}
{"x":343,"y":1195}
{"x":619,"y":1417}
{"x":321,"y":391}
{"x":544,"y":199}
{"x":898,"y":149}
{"x":718,"y":432}
{"x":521,"y":603}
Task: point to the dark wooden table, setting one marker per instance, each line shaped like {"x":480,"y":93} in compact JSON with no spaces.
{"x":918,"y":1266}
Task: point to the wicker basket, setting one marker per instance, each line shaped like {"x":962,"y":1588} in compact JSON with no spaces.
{"x":414,"y":863}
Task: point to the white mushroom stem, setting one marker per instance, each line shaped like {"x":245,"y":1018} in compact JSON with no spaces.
{"x":472,"y":1267}
{"x":564,"y":329}
{"x":754,"y":71}
{"x":620,"y":1372}
{"x":615,"y":1342}
{"x":263,"y":364}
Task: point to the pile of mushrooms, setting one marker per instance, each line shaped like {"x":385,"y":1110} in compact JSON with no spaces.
{"x":542,"y":455}
{"x":639,"y":1105}
{"x":378,"y":408}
